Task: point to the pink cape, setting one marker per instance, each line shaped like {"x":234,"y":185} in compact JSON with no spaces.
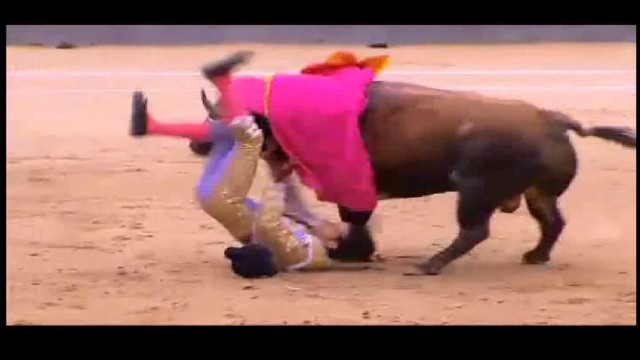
{"x":315,"y":120}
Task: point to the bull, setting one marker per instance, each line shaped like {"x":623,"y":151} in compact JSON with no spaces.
{"x":493,"y":152}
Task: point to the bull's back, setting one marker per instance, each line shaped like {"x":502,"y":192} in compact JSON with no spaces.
{"x":411,"y":147}
{"x":411,"y":133}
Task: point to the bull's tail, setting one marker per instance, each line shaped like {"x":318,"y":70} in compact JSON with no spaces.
{"x":622,"y":135}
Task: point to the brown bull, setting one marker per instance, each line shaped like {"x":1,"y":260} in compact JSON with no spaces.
{"x":424,"y":141}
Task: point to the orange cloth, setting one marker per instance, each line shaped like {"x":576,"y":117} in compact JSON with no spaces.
{"x":342,"y":59}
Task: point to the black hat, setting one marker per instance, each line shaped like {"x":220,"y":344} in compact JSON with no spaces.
{"x":251,"y":261}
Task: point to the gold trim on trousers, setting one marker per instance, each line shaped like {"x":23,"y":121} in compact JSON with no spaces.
{"x":227,"y":205}
{"x":227,"y":202}
{"x":272,"y":231}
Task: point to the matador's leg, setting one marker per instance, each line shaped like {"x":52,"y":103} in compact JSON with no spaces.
{"x":224,"y":185}
{"x":292,"y":245}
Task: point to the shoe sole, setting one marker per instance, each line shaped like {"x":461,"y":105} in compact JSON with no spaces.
{"x":224,"y":66}
{"x":138,"y":114}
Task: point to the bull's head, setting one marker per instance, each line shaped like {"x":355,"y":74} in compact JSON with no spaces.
{"x":203,"y":148}
{"x":271,"y":150}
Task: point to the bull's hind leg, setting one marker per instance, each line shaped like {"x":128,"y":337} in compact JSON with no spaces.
{"x":559,"y":170}
{"x":486,"y":181}
{"x":510,"y":205}
{"x":474,"y":212}
{"x":544,"y":209}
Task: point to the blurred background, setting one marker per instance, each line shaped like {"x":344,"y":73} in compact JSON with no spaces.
{"x":54,"y":35}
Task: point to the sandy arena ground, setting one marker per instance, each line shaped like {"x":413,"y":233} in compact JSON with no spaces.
{"x":103,"y":229}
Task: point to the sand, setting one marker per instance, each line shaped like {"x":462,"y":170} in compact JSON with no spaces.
{"x":103,"y":229}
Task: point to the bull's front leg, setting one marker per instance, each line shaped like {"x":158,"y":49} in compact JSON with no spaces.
{"x":358,"y":244}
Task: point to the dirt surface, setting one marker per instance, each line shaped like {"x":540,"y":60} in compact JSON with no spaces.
{"x":103,"y":229}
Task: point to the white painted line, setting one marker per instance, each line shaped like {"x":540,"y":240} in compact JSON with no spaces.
{"x":623,"y":88}
{"x":132,"y":73}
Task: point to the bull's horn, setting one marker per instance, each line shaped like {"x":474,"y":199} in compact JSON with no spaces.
{"x":208,"y":105}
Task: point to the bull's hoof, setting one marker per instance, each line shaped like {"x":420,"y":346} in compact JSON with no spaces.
{"x":200,"y":148}
{"x":226,"y":65}
{"x":510,"y":206}
{"x":349,"y":252}
{"x":535,"y":257}
{"x":432,"y":267}
{"x":138,"y":115}
{"x":357,"y":246}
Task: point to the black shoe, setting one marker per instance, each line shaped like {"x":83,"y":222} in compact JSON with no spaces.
{"x":138,"y":114}
{"x":225,"y":66}
{"x":251,"y":261}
